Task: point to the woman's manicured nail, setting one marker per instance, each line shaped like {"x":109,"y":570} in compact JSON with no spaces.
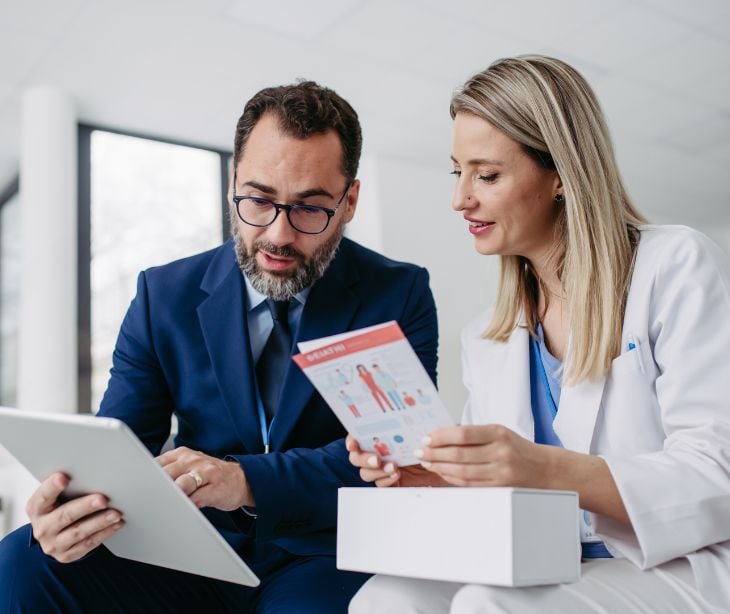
{"x":418,"y":453}
{"x":389,"y":468}
{"x":426,"y":441}
{"x":373,"y":461}
{"x":425,"y":464}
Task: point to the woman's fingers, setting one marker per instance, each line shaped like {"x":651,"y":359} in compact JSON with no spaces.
{"x":372,"y":475}
{"x":455,"y":454}
{"x":480,"y":434}
{"x":391,"y":480}
{"x":365,"y":460}
{"x":351,"y":444}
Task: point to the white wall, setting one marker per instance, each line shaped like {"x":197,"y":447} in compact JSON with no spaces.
{"x":719,"y":234}
{"x":418,"y":225}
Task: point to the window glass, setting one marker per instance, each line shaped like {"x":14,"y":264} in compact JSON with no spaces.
{"x":9,"y":295}
{"x":151,"y":203}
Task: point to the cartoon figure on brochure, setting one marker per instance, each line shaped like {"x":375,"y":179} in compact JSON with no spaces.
{"x":387,"y":382}
{"x":350,"y":402}
{"x":380,"y":397}
{"x":381,"y":447}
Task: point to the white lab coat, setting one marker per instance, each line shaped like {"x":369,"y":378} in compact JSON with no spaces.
{"x":660,"y":419}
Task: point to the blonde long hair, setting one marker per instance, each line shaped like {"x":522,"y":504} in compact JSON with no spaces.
{"x":548,"y":107}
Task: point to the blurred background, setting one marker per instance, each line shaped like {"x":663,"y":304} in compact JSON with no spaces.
{"x":117,"y":120}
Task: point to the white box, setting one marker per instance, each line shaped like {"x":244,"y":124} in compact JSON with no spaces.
{"x":501,"y":536}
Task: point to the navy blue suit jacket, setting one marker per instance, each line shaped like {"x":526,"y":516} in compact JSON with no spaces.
{"x":183,"y":348}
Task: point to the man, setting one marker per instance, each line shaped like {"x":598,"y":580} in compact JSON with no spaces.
{"x":387,"y":382}
{"x":257,"y":447}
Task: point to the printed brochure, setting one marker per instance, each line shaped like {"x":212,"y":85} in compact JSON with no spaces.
{"x":377,"y":387}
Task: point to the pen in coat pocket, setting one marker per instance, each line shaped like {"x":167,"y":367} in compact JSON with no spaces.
{"x":634,"y":346}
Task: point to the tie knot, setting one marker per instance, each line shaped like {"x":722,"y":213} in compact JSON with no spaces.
{"x":279,"y":311}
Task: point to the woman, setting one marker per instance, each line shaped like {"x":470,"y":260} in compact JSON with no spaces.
{"x":601,"y":369}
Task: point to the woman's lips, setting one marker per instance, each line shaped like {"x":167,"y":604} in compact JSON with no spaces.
{"x":477,"y":227}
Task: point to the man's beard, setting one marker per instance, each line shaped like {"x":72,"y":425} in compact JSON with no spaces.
{"x":283,"y":285}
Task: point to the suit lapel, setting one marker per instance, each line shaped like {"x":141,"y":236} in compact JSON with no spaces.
{"x":222,"y":319}
{"x":330,"y":309}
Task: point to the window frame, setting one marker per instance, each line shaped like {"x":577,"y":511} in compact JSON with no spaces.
{"x":11,"y":190}
{"x":84,"y":238}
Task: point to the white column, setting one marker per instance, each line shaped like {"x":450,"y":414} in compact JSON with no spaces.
{"x":47,"y":337}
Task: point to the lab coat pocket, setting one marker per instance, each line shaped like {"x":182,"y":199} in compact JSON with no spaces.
{"x":628,"y":365}
{"x":630,"y":421}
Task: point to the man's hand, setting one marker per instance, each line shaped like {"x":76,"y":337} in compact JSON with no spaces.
{"x":69,"y":531}
{"x":208,"y":481}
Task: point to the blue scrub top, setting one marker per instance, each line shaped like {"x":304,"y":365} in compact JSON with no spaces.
{"x":546,"y":372}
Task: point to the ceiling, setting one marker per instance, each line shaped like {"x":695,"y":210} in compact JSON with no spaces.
{"x":182,"y":69}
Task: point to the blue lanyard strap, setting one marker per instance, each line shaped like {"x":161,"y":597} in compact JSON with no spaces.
{"x":265,"y":429}
{"x":535,"y":349}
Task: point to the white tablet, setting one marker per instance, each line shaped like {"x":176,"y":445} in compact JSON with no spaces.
{"x":163,"y":527}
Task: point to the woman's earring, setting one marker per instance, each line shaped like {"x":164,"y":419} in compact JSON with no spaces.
{"x":559,"y":200}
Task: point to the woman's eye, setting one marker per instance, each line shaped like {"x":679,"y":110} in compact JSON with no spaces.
{"x":488,"y":178}
{"x":455,"y":173}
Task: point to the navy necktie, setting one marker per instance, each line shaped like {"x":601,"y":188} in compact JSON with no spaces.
{"x":274,"y":359}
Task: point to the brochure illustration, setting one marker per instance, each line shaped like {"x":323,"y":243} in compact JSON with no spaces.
{"x":377,"y":387}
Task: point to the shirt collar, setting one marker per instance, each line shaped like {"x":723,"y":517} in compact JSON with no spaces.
{"x":254,"y":298}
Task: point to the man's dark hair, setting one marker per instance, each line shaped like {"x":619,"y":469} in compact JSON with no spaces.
{"x":304,"y":109}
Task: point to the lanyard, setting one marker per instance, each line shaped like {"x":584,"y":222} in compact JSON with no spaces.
{"x":265,"y":429}
{"x":535,"y":349}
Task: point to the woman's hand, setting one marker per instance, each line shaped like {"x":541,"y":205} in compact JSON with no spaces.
{"x":486,"y":455}
{"x":493,"y":455}
{"x":372,"y":469}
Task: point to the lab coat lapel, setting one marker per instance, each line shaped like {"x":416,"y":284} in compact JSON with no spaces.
{"x":577,"y":413}
{"x":508,"y":383}
{"x":500,"y":392}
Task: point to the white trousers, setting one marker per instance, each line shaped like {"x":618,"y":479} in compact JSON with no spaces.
{"x":607,"y":586}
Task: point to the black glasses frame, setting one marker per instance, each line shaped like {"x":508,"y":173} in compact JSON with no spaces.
{"x":288,"y":208}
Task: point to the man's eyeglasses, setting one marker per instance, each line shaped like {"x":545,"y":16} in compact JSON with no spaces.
{"x":309,"y":219}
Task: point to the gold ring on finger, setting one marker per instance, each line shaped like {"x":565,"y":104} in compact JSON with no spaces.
{"x":196,"y":477}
